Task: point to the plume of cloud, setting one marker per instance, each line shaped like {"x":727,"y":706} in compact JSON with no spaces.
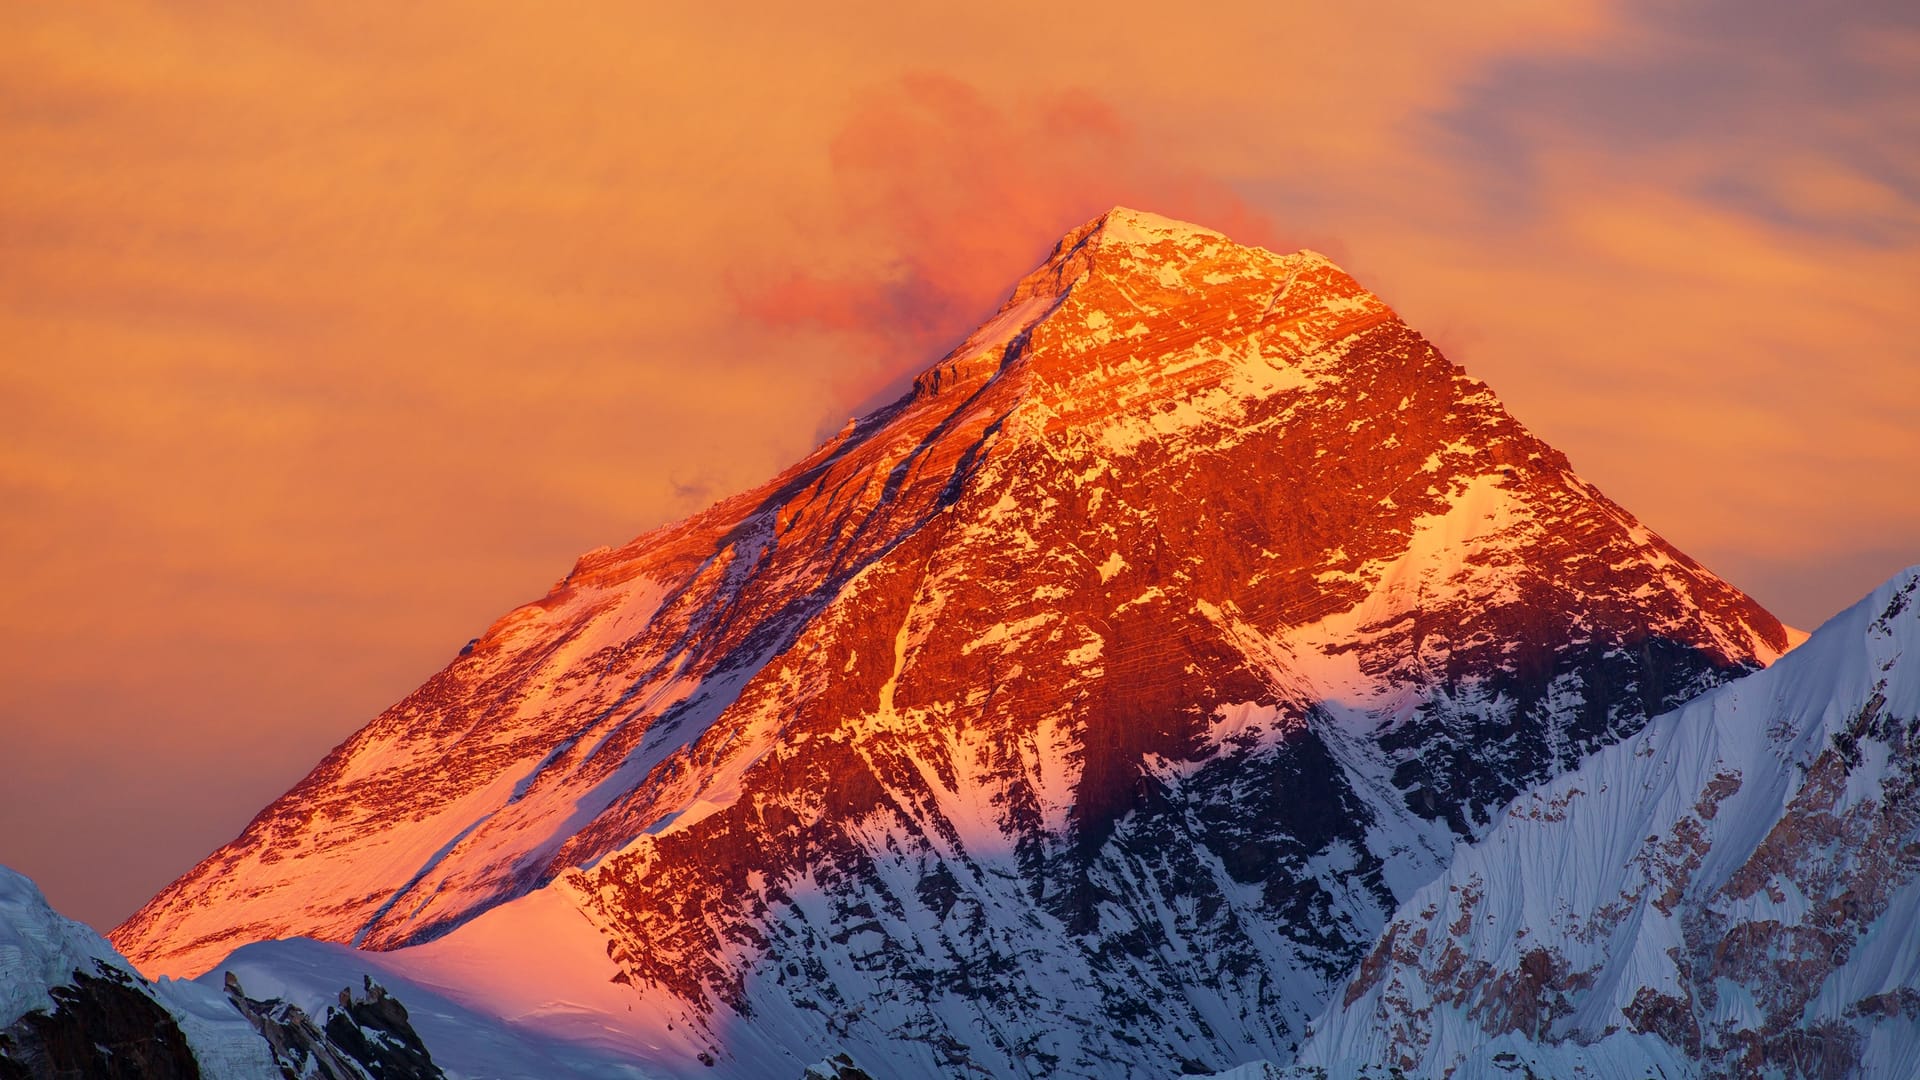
{"x":954,"y":195}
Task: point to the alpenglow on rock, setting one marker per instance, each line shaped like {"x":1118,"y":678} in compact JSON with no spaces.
{"x":1083,"y":713}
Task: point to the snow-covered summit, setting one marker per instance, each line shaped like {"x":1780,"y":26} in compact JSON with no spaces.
{"x":1125,"y":225}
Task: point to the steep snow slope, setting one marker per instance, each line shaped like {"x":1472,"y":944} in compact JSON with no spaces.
{"x":1733,"y":892}
{"x":1084,"y":712}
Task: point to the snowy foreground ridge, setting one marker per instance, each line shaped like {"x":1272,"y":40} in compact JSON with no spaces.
{"x":1088,"y":712}
{"x":72,"y":1008}
{"x":1734,"y":892}
{"x":41,"y":950}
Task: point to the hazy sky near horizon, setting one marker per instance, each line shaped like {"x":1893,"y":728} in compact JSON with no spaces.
{"x":332,"y":331}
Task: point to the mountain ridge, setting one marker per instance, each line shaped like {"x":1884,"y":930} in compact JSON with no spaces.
{"x":1161,"y":637}
{"x":1762,"y":927}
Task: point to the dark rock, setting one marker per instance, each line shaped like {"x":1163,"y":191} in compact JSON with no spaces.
{"x":364,"y":1038}
{"x":104,"y":1026}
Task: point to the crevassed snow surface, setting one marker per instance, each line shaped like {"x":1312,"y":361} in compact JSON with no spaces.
{"x":39,"y":949}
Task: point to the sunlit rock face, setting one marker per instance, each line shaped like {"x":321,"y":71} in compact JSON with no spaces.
{"x":1084,"y":713}
{"x":1729,"y":893}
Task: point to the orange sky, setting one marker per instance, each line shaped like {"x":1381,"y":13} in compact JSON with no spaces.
{"x":332,"y":331}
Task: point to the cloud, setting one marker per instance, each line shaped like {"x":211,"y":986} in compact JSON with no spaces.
{"x":1766,"y":103}
{"x":955,"y":195}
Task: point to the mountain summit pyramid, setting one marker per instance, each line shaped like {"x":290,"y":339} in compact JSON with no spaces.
{"x":1085,"y":712}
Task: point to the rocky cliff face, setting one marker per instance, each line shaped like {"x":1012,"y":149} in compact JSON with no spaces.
{"x":1729,"y":893}
{"x":1084,"y":712}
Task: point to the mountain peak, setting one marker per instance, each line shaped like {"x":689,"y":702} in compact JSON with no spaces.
{"x":1124,"y":240}
{"x":1125,"y":225}
{"x":1194,"y":582}
{"x":1117,"y":290}
{"x":1143,"y":238}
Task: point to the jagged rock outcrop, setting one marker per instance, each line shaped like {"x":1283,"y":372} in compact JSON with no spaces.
{"x":364,"y":1038}
{"x":837,"y":1067}
{"x":372,"y":1029}
{"x":1083,"y":713}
